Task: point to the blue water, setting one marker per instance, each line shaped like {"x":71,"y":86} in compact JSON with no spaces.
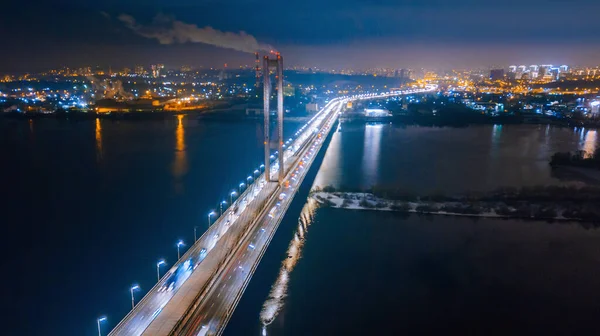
{"x":89,"y":207}
{"x":379,"y":273}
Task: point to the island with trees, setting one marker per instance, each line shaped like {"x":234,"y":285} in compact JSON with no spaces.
{"x":580,"y":162}
{"x":540,"y":202}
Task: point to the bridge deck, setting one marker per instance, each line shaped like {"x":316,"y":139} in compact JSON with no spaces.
{"x":205,"y":294}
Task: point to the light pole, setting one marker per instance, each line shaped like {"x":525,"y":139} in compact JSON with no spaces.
{"x":195,"y":227}
{"x":241,"y":186}
{"x":221,"y":207}
{"x":249,"y":179}
{"x":101,"y":319}
{"x":212,"y":213}
{"x":134,"y":287}
{"x":179,"y":244}
{"x":231,"y":196}
{"x":158,"y":264}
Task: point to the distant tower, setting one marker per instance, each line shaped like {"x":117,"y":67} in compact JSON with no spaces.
{"x":278,"y":65}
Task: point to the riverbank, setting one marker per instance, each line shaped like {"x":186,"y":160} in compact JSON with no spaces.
{"x":532,"y":210}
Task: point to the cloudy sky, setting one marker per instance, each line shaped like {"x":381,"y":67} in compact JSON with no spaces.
{"x":336,"y":33}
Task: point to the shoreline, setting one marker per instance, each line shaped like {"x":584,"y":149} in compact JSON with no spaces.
{"x":368,"y":201}
{"x":585,"y":172}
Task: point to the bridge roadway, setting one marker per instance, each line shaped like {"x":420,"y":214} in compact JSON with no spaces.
{"x":199,"y":293}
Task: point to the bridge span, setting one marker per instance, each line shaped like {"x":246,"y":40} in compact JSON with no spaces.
{"x":198,"y":295}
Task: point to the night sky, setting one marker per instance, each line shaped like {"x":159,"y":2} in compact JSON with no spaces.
{"x":338,"y":33}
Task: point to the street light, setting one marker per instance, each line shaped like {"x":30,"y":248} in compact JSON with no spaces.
{"x":249,"y":178}
{"x":212,"y":213}
{"x":134,"y":287}
{"x":233,"y":193}
{"x":195,"y":227}
{"x":262,"y":166}
{"x":256,"y":171}
{"x":221,"y":206}
{"x":158,"y":264}
{"x":101,"y":319}
{"x":241,"y":186}
{"x":179,"y":244}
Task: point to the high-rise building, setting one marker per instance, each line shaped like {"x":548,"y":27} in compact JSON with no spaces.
{"x":512,"y":68}
{"x":405,"y":74}
{"x":554,"y":73}
{"x":496,"y":74}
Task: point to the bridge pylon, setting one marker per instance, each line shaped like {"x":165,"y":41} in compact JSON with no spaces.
{"x":276,"y":64}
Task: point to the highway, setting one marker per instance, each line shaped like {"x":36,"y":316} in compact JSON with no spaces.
{"x":198,"y":294}
{"x":212,"y":314}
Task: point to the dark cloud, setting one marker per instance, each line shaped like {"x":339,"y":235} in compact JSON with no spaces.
{"x":567,"y":31}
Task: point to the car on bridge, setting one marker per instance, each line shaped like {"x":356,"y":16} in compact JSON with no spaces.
{"x":272,"y":212}
{"x":169,"y":284}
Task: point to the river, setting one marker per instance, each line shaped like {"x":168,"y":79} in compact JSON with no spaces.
{"x":89,"y":207}
{"x":345,"y":272}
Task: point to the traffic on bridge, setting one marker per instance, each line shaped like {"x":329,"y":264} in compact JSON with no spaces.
{"x":198,"y":294}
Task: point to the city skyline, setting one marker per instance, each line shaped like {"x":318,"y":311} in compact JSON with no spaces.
{"x":356,"y":34}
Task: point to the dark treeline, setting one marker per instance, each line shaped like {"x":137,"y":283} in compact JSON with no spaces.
{"x":506,"y":194}
{"x":576,"y":159}
{"x":539,"y":202}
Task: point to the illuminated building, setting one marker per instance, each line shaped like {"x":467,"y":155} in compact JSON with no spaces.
{"x":406,"y":74}
{"x":156,"y":68}
{"x":312,"y":107}
{"x":595,"y":108}
{"x":375,"y":112}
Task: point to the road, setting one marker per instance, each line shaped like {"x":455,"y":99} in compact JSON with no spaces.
{"x":198,"y":294}
{"x":211,"y":315}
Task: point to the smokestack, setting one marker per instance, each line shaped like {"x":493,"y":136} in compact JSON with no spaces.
{"x":280,"y":116}
{"x":266,"y":107}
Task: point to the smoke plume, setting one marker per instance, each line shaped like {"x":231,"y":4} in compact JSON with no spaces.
{"x":167,"y":30}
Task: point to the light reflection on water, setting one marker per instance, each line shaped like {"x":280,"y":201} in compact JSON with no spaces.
{"x":589,"y":144}
{"x":333,"y":162}
{"x":449,"y":160}
{"x":99,"y":150}
{"x":180,"y":163}
{"x":371,"y":152}
{"x":276,"y":299}
{"x":457,"y":159}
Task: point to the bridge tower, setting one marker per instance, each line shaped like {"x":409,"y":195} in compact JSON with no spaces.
{"x":257,"y":73}
{"x":277,"y":64}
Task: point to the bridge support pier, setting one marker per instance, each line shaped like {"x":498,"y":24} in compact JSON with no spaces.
{"x":278,"y":65}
